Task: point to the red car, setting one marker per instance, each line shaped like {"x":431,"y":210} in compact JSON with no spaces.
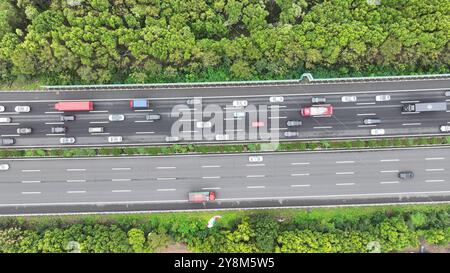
{"x":256,"y":124}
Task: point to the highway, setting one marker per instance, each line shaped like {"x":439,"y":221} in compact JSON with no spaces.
{"x":347,"y":121}
{"x":281,"y":179}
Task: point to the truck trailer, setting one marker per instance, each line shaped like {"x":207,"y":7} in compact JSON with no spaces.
{"x":324,"y":110}
{"x":139,"y":104}
{"x":74,"y":106}
{"x":202,"y":196}
{"x":424,"y":107}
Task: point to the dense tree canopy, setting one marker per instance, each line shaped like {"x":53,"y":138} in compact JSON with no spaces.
{"x":103,"y":41}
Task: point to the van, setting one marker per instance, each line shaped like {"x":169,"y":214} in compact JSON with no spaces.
{"x":5,"y":119}
{"x":96,"y":129}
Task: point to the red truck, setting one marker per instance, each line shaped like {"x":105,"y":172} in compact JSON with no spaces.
{"x":202,"y":196}
{"x":325,"y":110}
{"x":74,"y":106}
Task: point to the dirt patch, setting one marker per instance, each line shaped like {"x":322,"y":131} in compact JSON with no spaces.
{"x":175,"y":248}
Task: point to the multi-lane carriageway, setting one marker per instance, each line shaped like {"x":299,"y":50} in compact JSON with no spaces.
{"x":281,"y":179}
{"x":347,"y":120}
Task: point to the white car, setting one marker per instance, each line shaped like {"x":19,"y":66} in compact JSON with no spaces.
{"x":276,"y":99}
{"x":255,"y":158}
{"x":193,"y":101}
{"x":239,"y":114}
{"x":240,"y":103}
{"x":383,"y":98}
{"x":377,"y":132}
{"x":22,"y":109}
{"x":67,"y":140}
{"x":116,"y":117}
{"x":445,"y":128}
{"x":4,"y":167}
{"x":349,"y":99}
{"x":206,"y":124}
{"x":2,"y":108}
{"x":172,"y":138}
{"x":114,"y":139}
{"x":222,"y":137}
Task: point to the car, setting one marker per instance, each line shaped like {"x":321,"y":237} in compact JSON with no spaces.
{"x":2,"y":108}
{"x":193,"y":101}
{"x":239,"y":114}
{"x":172,"y":138}
{"x":5,"y":119}
{"x":240,"y":103}
{"x":292,"y":123}
{"x":153,"y":117}
{"x":66,"y":118}
{"x":114,"y":139}
{"x":7,"y":141}
{"x":447,"y":93}
{"x":67,"y":140}
{"x":4,"y":167}
{"x":276,"y":99}
{"x":377,"y":132}
{"x":257,"y":124}
{"x":24,"y":131}
{"x":349,"y":99}
{"x":59,"y":130}
{"x":204,"y":124}
{"x":318,"y":100}
{"x":383,"y":98}
{"x":255,"y":158}
{"x":22,"y":109}
{"x":290,"y":134}
{"x":406,"y":175}
{"x":317,"y":110}
{"x":369,"y":121}
{"x":445,"y":128}
{"x":222,"y":137}
{"x":116,"y":117}
{"x":96,"y":129}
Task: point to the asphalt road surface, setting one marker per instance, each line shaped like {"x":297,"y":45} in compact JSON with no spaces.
{"x":281,"y":179}
{"x":346,"y":122}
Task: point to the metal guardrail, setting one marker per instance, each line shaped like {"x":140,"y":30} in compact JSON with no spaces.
{"x":306,"y":78}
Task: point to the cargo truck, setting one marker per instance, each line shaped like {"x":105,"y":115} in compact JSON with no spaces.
{"x":74,"y":106}
{"x":324,"y":110}
{"x":139,"y":104}
{"x":424,"y":107}
{"x":202,"y":196}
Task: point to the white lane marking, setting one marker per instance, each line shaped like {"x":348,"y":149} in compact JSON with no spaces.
{"x":277,"y":129}
{"x":10,"y":135}
{"x":409,"y":101}
{"x":435,"y":158}
{"x":448,"y":111}
{"x":55,"y":134}
{"x":389,"y":160}
{"x":166,"y":190}
{"x":211,"y":166}
{"x":75,"y":180}
{"x":75,"y":170}
{"x":277,"y":106}
{"x":187,"y":120}
{"x":301,"y":185}
{"x":434,"y":170}
{"x":99,"y":134}
{"x":366,"y":125}
{"x":98,"y":122}
{"x":54,"y":112}
{"x":75,"y":191}
{"x":121,"y":169}
{"x":435,"y":180}
{"x":121,"y":191}
{"x":345,"y":184}
{"x":231,"y":119}
{"x":345,"y":173}
{"x":256,"y":187}
{"x":234,"y":130}
{"x":299,"y":174}
{"x":255,"y":176}
{"x":389,"y":182}
{"x":323,"y":127}
{"x":99,"y":111}
{"x":120,"y":179}
{"x":255,"y":165}
{"x":344,"y":162}
{"x":409,"y":113}
{"x":189,"y":109}
{"x":300,"y":163}
{"x":143,"y":110}
{"x":211,"y":177}
{"x":138,"y":121}
{"x":31,"y":192}
{"x":211,"y":188}
{"x":30,"y":171}
{"x":411,"y":124}
{"x":189,"y":132}
{"x":367,"y":114}
{"x":31,"y":181}
{"x":389,"y":171}
{"x":166,"y":178}
{"x":277,"y":117}
{"x":142,"y":133}
{"x":54,"y":123}
{"x":164,"y":168}
{"x":364,"y":103}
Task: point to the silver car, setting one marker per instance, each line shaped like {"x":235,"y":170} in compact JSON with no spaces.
{"x":22,"y":109}
{"x":377,"y":132}
{"x":445,"y":128}
{"x":193,"y":101}
{"x":114,"y":139}
{"x":116,"y":117}
{"x":4,"y":167}
{"x":24,"y":131}
{"x":369,"y":121}
{"x":292,"y":123}
{"x":255,"y":158}
{"x":67,"y":140}
{"x":382,"y":98}
{"x":276,"y":99}
{"x":349,"y":99}
{"x":290,"y":134}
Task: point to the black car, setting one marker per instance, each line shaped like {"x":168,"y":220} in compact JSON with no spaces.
{"x":406,"y":175}
{"x":66,"y":118}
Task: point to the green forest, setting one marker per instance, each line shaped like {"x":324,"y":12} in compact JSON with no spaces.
{"x":337,"y":230}
{"x":144,"y":41}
